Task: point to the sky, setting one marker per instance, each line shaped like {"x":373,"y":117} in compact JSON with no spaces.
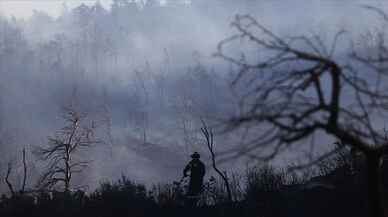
{"x":25,"y":8}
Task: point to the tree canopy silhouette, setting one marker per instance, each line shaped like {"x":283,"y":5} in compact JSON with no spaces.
{"x":298,"y":86}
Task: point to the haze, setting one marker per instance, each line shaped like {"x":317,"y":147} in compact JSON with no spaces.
{"x":147,"y":71}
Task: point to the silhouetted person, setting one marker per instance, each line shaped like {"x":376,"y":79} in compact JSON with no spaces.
{"x":196,"y":169}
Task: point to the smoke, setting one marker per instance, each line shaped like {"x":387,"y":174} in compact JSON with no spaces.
{"x":148,"y":71}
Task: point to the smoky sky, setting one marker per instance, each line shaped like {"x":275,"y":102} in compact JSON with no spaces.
{"x":147,"y":73}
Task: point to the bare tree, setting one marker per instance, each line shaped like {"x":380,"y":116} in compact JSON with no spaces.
{"x":141,"y":116}
{"x":24,"y":171}
{"x":62,"y":149}
{"x":7,"y":180}
{"x":9,"y":184}
{"x":208,"y":134}
{"x":298,"y":87}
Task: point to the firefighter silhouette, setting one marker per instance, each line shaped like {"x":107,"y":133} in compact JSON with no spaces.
{"x":196,"y":170}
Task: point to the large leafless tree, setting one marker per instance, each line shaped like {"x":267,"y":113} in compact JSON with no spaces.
{"x":61,"y":152}
{"x":296,"y":87}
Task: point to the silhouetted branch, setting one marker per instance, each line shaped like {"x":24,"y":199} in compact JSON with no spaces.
{"x":208,"y":134}
{"x":24,"y":171}
{"x":9,"y":184}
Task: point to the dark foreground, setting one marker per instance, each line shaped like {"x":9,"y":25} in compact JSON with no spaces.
{"x":334,"y":191}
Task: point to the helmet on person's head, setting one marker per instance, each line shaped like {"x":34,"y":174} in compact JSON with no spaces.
{"x":195,"y":155}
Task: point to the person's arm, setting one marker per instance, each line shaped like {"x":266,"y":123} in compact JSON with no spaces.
{"x":187,"y":168}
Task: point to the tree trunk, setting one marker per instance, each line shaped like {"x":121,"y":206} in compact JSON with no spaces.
{"x":376,"y":208}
